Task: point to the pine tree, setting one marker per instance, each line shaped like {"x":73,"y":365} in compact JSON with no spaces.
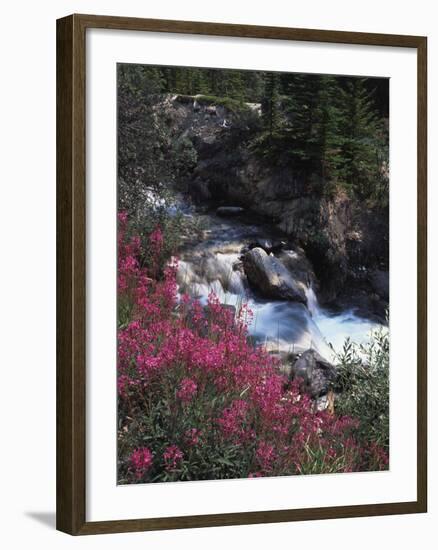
{"x":301,"y":93}
{"x":200,"y":84}
{"x":328,"y":120}
{"x":253,"y":84}
{"x":363,"y":138}
{"x":270,"y":104}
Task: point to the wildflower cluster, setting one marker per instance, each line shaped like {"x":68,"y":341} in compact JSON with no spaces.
{"x":198,"y":401}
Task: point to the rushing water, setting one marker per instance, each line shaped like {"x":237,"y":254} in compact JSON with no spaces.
{"x":212,"y":265}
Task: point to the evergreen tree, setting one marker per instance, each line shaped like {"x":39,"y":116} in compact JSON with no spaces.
{"x":253,"y":85}
{"x":200,"y":83}
{"x":141,"y":139}
{"x":270,"y":104}
{"x":363,"y":139}
{"x":328,"y":121}
{"x":300,"y":103}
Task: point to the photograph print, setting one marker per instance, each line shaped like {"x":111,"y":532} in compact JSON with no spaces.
{"x":253,"y":274}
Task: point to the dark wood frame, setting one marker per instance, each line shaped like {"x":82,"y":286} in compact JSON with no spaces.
{"x":71,"y":232}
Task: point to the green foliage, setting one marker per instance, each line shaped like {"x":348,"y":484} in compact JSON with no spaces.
{"x":327,"y":142}
{"x":300,"y":104}
{"x":166,"y":420}
{"x":238,"y":85}
{"x":270,"y":104}
{"x":363,"y":386}
{"x":150,"y":156}
{"x":364,"y":146}
{"x":162,"y":213}
{"x":232,"y":105}
{"x":141,"y":136}
{"x":328,"y":126}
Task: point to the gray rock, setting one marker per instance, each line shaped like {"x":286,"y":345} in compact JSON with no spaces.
{"x":268,"y":245}
{"x":229,"y":211}
{"x":298,"y":266}
{"x":317,"y":374}
{"x":270,"y":277}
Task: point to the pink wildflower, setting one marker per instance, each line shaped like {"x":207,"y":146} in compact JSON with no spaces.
{"x":172,"y":457}
{"x":192,"y":437}
{"x":233,"y":418}
{"x":156,"y":240}
{"x":265,"y":455}
{"x":187,"y":390}
{"x":141,"y":460}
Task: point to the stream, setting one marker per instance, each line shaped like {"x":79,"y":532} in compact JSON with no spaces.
{"x":212,"y":264}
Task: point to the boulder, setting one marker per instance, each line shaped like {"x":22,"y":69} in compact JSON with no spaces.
{"x":317,"y":374}
{"x":229,"y":211}
{"x":270,"y":277}
{"x":268,"y":245}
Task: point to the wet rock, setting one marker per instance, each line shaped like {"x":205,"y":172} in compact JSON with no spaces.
{"x":379,"y":281}
{"x":238,"y":266}
{"x":317,"y":374}
{"x":229,"y":211}
{"x":270,"y":277}
{"x":268,"y":245}
{"x":298,"y":265}
{"x":200,"y":190}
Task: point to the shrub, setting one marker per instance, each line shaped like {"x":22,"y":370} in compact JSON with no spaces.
{"x":197,"y":401}
{"x":364,"y":386}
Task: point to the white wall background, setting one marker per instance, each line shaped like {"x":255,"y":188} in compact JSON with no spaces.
{"x":27,"y":287}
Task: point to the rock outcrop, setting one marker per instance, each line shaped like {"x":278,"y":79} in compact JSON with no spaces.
{"x":316,"y":373}
{"x":267,"y":275}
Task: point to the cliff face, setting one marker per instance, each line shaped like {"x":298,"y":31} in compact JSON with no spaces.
{"x":345,"y":239}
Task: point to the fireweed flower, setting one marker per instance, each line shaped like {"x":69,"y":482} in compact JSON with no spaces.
{"x":187,"y":390}
{"x":141,"y":460}
{"x":233,"y":419}
{"x":265,"y":455}
{"x":172,"y":457}
{"x":156,"y":240}
{"x":192,"y":437}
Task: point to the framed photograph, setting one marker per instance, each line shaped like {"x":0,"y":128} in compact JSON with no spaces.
{"x":241,"y":274}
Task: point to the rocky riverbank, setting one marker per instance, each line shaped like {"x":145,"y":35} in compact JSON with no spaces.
{"x":345,"y":240}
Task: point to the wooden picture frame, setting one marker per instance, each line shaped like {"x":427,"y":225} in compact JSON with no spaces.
{"x":71,"y":273}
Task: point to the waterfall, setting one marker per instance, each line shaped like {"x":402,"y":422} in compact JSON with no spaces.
{"x":312,"y":301}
